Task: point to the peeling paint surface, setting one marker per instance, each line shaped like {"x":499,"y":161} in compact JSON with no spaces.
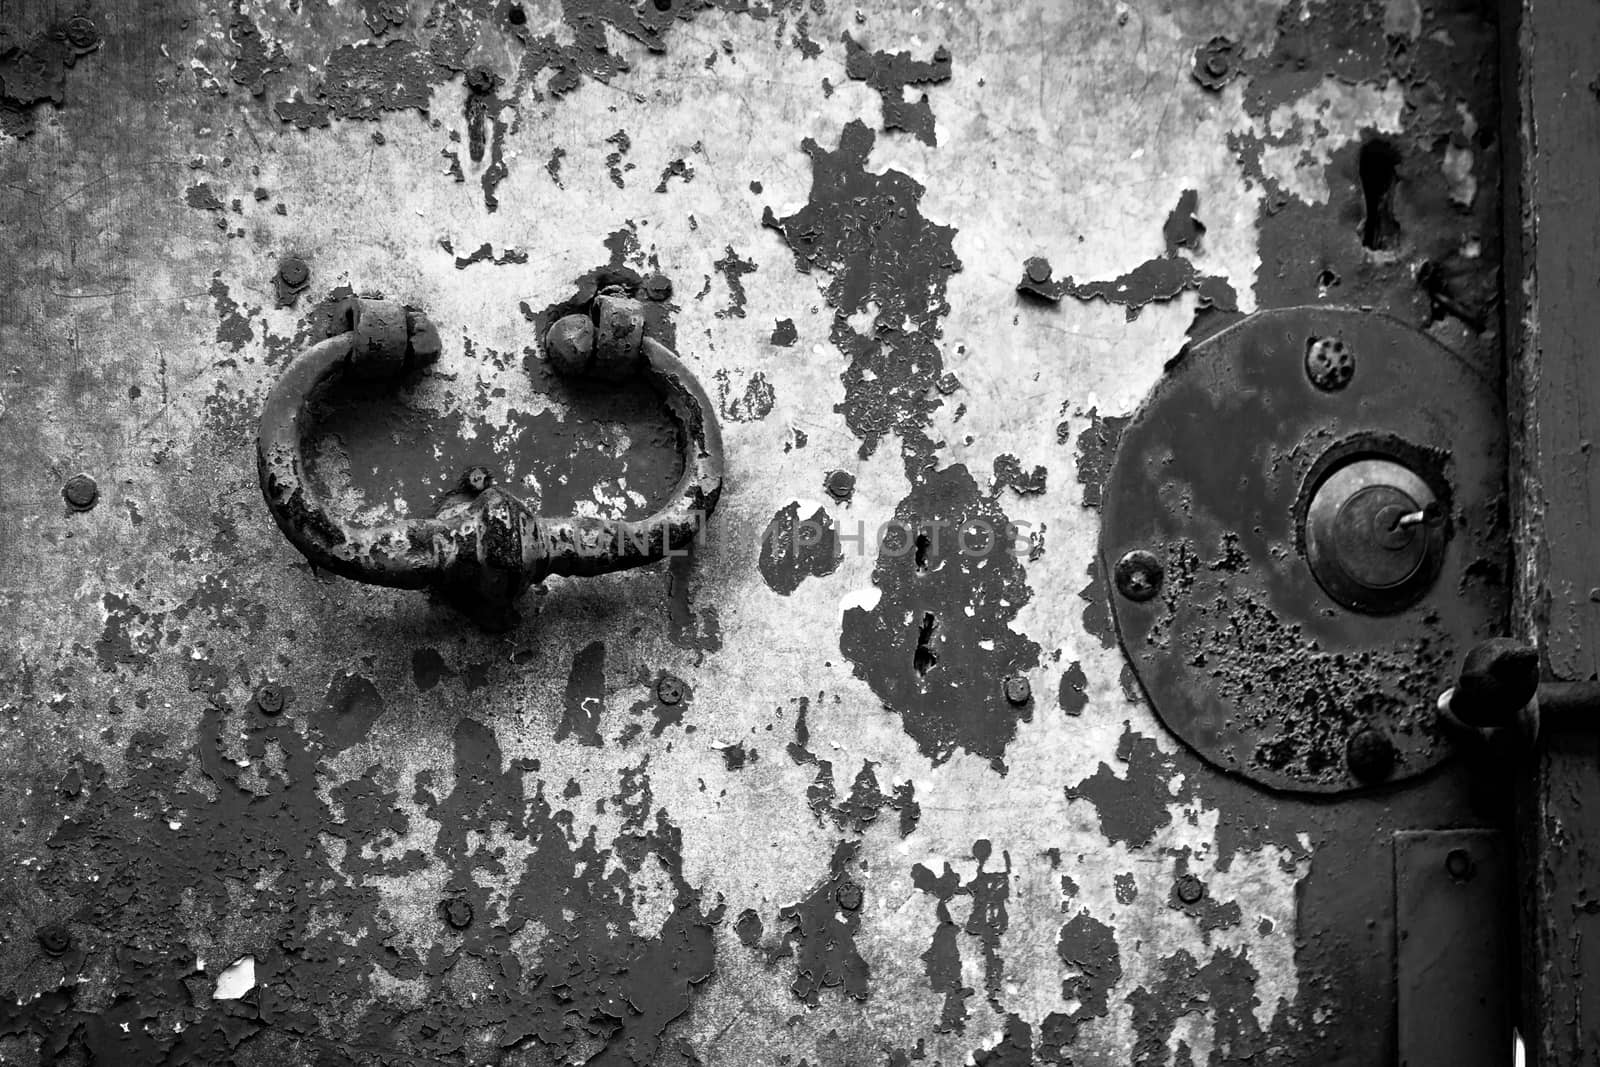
{"x":865,"y":778}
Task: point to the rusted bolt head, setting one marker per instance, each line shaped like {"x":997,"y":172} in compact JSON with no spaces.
{"x":848,"y":896}
{"x":80,"y":492}
{"x":1329,"y":364}
{"x":82,"y":33}
{"x":569,"y":346}
{"x":618,"y":334}
{"x":841,"y":485}
{"x":269,"y":698}
{"x":1458,"y":861}
{"x":293,"y":272}
{"x":1138,"y":575}
{"x":657,"y":287}
{"x":1190,"y":889}
{"x":54,"y":938}
{"x":1370,"y":755}
{"x":1018,"y":690}
{"x":477,"y":479}
{"x":458,"y":912}
{"x":1038,"y":269}
{"x":669,"y":690}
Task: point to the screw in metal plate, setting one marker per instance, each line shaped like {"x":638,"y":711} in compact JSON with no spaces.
{"x":1458,"y":861}
{"x":1370,"y":755}
{"x":1018,"y":690}
{"x":841,"y":485}
{"x":82,"y":32}
{"x":1190,"y":889}
{"x":848,"y":896}
{"x":669,"y":691}
{"x":54,"y":938}
{"x":293,"y":272}
{"x":81,"y":493}
{"x":1329,"y":364}
{"x":269,"y":698}
{"x":1138,"y":575}
{"x":458,"y":912}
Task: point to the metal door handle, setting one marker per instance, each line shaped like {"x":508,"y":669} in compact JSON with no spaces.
{"x":1499,"y":689}
{"x":483,"y":546}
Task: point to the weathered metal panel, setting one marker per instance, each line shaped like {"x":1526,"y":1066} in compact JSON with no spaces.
{"x":843,"y":842}
{"x":1454,"y":967}
{"x":1552,"y":124}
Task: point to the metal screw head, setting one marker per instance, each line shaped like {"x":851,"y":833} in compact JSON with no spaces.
{"x":841,"y":485}
{"x":54,"y":938}
{"x":656,"y":287}
{"x":1038,"y":269}
{"x":477,"y":479}
{"x":293,"y":272}
{"x":1370,"y":755}
{"x":1018,"y":690}
{"x":1329,"y":364}
{"x":669,"y":691}
{"x":458,"y":912}
{"x":570,"y":344}
{"x":80,"y":492}
{"x":1138,"y":575}
{"x":1458,"y":861}
{"x":269,"y":698}
{"x":82,"y":33}
{"x":848,"y":896}
{"x":1190,"y":889}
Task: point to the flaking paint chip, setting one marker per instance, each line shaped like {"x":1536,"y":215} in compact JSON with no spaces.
{"x":237,"y":980}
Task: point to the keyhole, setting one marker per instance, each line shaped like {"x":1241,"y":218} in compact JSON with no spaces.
{"x":1379,"y":165}
{"x":925,"y":658}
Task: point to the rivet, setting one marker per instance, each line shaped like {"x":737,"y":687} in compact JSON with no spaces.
{"x":80,"y":492}
{"x":669,"y":690}
{"x":1138,"y":575}
{"x":55,"y":939}
{"x":657,"y":286}
{"x":458,"y":912}
{"x":1038,"y":269}
{"x":293,"y":272}
{"x":841,"y":485}
{"x":516,"y":15}
{"x":1018,"y":690}
{"x":269,"y":698}
{"x":1190,"y":889}
{"x":848,"y":896}
{"x":1370,"y":756}
{"x":1458,"y":861}
{"x":477,"y":479}
{"x":1329,"y":364}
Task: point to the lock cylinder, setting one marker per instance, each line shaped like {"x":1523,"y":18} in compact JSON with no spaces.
{"x":1374,"y":535}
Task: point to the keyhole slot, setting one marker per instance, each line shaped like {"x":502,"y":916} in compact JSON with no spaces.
{"x":1379,"y":166}
{"x":925,"y":658}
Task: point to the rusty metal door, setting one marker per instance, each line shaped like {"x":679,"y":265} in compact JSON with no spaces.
{"x":864,"y":777}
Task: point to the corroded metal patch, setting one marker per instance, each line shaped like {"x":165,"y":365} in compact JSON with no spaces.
{"x":1243,"y":654}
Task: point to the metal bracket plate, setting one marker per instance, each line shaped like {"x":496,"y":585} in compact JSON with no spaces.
{"x":1453,"y":966}
{"x":1244,"y":656}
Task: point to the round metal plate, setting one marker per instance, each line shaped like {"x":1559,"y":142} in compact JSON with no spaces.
{"x":1240,"y":651}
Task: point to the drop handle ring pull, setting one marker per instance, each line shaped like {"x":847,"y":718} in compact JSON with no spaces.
{"x":483,"y":546}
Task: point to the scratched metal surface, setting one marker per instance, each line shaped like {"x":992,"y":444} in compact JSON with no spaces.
{"x":845,"y":845}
